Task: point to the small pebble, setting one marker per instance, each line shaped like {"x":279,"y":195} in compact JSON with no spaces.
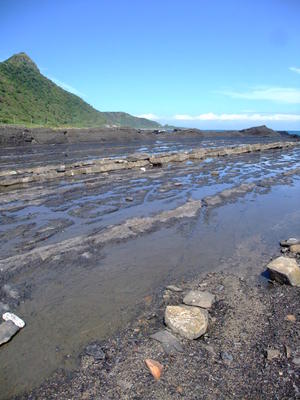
{"x":227,"y":357}
{"x":290,"y":318}
{"x":174,"y":288}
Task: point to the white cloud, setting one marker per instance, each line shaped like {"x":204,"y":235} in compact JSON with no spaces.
{"x":295,"y":69}
{"x":237,"y":117}
{"x":67,"y":87}
{"x":277,"y":94}
{"x":149,"y":116}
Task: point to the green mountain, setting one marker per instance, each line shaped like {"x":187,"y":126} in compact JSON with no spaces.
{"x":29,"y":98}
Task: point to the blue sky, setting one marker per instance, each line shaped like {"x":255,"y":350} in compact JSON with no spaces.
{"x":209,"y":64}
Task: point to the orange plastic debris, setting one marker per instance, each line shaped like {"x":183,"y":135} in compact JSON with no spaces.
{"x":155,"y":368}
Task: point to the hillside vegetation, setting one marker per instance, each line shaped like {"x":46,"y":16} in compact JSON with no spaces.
{"x":29,"y":98}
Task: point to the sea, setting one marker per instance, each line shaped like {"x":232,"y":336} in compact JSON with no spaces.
{"x":294,"y":133}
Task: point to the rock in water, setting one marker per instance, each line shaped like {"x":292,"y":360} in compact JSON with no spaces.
{"x":289,"y":242}
{"x":188,"y":322}
{"x":199,"y":299}
{"x":95,"y":351}
{"x":14,"y":318}
{"x":169,"y":342}
{"x":7,"y":330}
{"x":285,"y":270}
{"x":295,"y":248}
{"x":61,"y":168}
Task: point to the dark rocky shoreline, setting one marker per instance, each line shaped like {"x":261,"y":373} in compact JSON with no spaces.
{"x":20,"y":136}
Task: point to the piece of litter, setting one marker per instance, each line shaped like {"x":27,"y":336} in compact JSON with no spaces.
{"x":155,"y":368}
{"x":13,"y":318}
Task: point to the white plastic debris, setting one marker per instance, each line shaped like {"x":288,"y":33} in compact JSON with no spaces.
{"x":143,"y":169}
{"x":13,"y":318}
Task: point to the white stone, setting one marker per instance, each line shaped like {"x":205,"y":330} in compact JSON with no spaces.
{"x":14,"y":318}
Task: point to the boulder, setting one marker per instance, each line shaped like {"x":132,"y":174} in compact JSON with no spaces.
{"x":7,"y":330}
{"x":295,"y":248}
{"x":188,"y":322}
{"x":199,"y":299}
{"x":285,"y":270}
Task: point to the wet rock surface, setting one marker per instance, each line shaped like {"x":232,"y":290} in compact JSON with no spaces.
{"x":103,"y":165}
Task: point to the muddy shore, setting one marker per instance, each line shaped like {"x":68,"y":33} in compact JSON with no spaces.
{"x":84,"y":256}
{"x":229,"y":362}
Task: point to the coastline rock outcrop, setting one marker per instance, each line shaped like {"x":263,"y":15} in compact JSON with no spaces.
{"x":49,"y":172}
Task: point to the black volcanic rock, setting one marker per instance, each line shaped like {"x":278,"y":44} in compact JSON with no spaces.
{"x":262,"y":130}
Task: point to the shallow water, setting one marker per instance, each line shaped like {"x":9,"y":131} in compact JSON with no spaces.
{"x":70,"y":301}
